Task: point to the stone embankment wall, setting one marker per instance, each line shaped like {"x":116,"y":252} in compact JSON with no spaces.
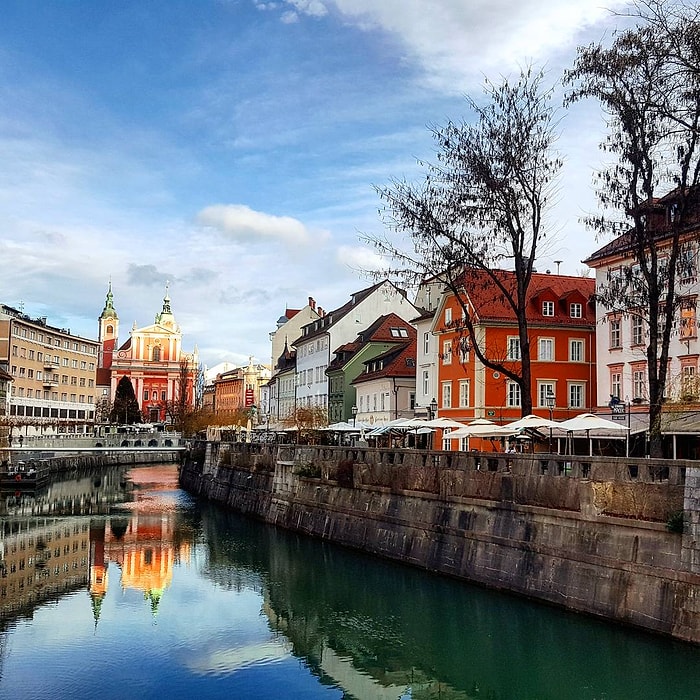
{"x":60,"y":466}
{"x":587,"y":534}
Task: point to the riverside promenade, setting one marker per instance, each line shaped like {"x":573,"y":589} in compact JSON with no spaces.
{"x":615,"y":538}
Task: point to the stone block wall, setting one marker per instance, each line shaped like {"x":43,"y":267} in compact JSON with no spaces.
{"x":549,"y":536}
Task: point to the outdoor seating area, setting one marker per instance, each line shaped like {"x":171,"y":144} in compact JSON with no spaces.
{"x":585,"y":434}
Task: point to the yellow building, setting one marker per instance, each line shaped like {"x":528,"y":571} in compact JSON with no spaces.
{"x":53,"y":375}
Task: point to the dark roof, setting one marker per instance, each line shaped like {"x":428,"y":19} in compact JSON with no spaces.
{"x":389,"y":328}
{"x":399,"y":361}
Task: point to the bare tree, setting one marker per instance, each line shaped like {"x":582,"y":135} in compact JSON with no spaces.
{"x":648,"y":84}
{"x":307,"y":420}
{"x":482,"y":207}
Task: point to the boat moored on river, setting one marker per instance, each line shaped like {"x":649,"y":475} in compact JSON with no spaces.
{"x":24,"y":475}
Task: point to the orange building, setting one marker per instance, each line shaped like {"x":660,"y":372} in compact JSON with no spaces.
{"x":152,"y":358}
{"x":239,"y":388}
{"x":561,"y":322}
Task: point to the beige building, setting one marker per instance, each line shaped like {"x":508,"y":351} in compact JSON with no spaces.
{"x":53,"y":375}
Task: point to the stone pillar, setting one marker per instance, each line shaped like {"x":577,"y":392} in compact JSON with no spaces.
{"x":690,"y":548}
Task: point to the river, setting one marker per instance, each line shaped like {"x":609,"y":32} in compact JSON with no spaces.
{"x":121,"y":585}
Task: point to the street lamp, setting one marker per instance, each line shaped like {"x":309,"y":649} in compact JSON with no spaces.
{"x":550,"y":399}
{"x":353,"y":410}
{"x":432,"y":409}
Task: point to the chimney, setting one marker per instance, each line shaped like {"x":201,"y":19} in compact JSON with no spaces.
{"x":312,"y":303}
{"x":320,"y":312}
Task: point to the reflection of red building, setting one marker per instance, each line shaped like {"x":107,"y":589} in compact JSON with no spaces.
{"x":144,"y":549}
{"x":152,"y":358}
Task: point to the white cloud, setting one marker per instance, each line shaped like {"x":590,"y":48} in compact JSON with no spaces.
{"x":455,"y":42}
{"x":360,"y":258}
{"x":243,"y":223}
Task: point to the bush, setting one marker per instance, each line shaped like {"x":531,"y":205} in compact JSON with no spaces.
{"x":675,"y":522}
{"x":344,"y":473}
{"x":308,"y":470}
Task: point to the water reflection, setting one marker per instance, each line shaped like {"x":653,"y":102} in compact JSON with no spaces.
{"x":377,"y":629}
{"x":359,"y":627}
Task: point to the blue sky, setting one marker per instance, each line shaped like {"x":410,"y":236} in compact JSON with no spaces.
{"x":231,"y":147}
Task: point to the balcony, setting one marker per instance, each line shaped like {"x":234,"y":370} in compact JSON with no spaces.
{"x":50,"y":364}
{"x":50,"y":381}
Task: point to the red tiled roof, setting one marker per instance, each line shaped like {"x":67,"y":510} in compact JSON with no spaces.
{"x":490,"y":303}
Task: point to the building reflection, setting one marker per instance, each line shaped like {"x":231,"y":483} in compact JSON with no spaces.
{"x":67,"y":536}
{"x":331,"y":611}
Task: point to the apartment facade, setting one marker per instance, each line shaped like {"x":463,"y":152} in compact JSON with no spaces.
{"x":623,"y":333}
{"x":53,"y":375}
{"x":562,"y":324}
{"x":335,"y":328}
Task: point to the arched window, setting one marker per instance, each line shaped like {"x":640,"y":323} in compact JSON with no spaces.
{"x":156,"y":353}
{"x":110,"y":329}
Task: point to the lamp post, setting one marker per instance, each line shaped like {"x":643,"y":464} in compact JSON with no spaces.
{"x":432,"y":409}
{"x":550,"y":398}
{"x":353,"y":410}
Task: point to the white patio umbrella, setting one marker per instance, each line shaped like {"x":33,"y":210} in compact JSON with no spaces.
{"x":481,"y":428}
{"x":534,"y":422}
{"x":445,"y":423}
{"x":587,"y":422}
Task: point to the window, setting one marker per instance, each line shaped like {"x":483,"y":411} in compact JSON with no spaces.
{"x":616,"y":382}
{"x":464,"y":393}
{"x":687,"y":263}
{"x":145,"y":395}
{"x":615,"y":339}
{"x":512,"y":395}
{"x":637,"y":330}
{"x":426,"y":343}
{"x":544,"y":389}
{"x":548,"y":308}
{"x":688,"y":384}
{"x":448,"y":317}
{"x":399,"y":332}
{"x":546,"y":349}
{"x":464,"y":348}
{"x":576,"y":310}
{"x":576,"y":395}
{"x":576,"y":350}
{"x":688,"y":320}
{"x":639,"y":390}
{"x":426,"y":382}
{"x":447,"y":395}
{"x":447,"y":352}
{"x":162,"y":396}
{"x":513,"y":348}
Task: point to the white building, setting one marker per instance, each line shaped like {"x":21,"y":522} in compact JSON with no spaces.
{"x":333,"y":329}
{"x":427,"y":300}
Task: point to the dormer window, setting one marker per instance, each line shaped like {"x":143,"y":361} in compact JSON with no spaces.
{"x":399,"y":333}
{"x":548,"y":308}
{"x":576,"y":310}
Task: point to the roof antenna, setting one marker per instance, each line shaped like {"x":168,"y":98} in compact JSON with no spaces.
{"x":557,"y":263}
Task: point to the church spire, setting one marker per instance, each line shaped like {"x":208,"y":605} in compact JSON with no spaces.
{"x":166,"y":317}
{"x":109,"y":310}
